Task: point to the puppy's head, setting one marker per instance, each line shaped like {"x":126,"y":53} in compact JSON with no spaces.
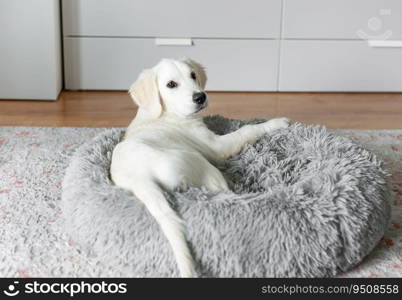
{"x":174,"y":86}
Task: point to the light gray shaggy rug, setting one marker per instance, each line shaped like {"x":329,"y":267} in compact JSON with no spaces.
{"x":304,"y":202}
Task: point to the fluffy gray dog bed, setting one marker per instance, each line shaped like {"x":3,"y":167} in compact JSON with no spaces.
{"x":304,"y":203}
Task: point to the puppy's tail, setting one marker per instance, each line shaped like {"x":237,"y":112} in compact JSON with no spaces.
{"x":172,"y":226}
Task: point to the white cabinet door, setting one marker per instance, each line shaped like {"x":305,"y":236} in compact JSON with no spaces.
{"x":342,"y":19}
{"x":30,"y":51}
{"x":114,"y":63}
{"x":173,"y":18}
{"x":339,"y":66}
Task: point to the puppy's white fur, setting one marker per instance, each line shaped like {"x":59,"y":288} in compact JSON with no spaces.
{"x":168,"y":147}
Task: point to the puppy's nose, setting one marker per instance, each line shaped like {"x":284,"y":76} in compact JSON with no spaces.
{"x":199,"y":98}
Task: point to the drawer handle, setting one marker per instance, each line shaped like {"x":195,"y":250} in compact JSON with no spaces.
{"x":173,"y":42}
{"x":385,"y":44}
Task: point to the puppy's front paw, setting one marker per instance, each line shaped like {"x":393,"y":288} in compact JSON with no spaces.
{"x":276,"y":124}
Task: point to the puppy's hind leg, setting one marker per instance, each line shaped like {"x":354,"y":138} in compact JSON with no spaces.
{"x":170,"y":223}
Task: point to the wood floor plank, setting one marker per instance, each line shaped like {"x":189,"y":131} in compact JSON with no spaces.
{"x":115,"y":109}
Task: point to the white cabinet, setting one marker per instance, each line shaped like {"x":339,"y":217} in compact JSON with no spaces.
{"x":255,"y":45}
{"x":342,"y":19}
{"x":114,"y":63}
{"x":30,"y":49}
{"x":173,"y":18}
{"x":108,"y":42}
{"x":339,"y":66}
{"x":327,"y":45}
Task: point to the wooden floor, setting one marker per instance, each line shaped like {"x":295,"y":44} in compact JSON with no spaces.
{"x":113,"y":109}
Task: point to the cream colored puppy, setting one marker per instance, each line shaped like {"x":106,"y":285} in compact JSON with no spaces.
{"x":168,"y":147}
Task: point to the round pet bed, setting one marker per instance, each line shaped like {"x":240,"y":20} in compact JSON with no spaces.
{"x":304,"y":202}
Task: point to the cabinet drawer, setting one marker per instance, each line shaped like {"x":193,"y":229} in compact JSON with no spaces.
{"x":173,"y":18}
{"x":114,"y":63}
{"x":339,"y":66}
{"x":343,"y":19}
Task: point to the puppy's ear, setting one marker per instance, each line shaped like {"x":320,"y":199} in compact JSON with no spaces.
{"x":199,"y":70}
{"x":145,"y":93}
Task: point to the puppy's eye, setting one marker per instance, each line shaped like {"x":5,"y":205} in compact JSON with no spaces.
{"x":172,"y":84}
{"x":193,"y":76}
